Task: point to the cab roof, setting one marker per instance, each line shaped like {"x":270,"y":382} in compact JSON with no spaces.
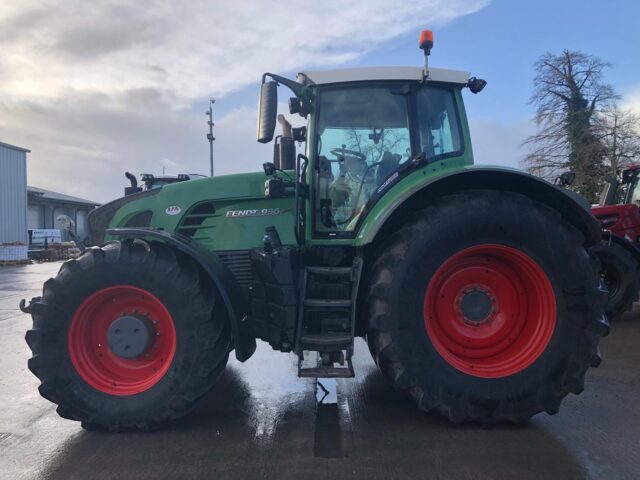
{"x":381,"y":73}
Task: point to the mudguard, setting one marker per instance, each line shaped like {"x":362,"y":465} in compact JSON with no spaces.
{"x":609,"y":237}
{"x":416,"y":193}
{"x":228,"y":288}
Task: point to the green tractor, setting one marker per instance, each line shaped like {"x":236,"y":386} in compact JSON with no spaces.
{"x":472,"y":286}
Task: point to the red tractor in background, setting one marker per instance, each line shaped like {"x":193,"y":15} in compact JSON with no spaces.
{"x":619,"y":214}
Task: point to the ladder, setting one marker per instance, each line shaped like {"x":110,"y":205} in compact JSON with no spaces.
{"x":326,"y":320}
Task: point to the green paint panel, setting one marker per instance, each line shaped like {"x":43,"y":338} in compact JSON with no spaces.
{"x":241,"y":211}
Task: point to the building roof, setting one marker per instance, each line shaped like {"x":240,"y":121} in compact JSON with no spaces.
{"x":43,"y":194}
{"x":382,"y":73}
{"x":13,"y":147}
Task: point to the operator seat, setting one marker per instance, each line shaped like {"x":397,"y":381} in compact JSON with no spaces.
{"x":388,"y":164}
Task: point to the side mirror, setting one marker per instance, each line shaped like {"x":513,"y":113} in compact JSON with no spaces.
{"x":566,"y":179}
{"x":267,"y":111}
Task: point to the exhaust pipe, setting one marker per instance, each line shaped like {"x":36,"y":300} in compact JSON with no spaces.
{"x":134,"y":188}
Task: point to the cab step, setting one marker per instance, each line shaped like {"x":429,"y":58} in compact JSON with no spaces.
{"x":327,"y":303}
{"x":325,"y":339}
{"x":326,"y":320}
{"x":330,"y":270}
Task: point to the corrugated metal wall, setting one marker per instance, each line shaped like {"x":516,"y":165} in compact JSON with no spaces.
{"x":13,"y":195}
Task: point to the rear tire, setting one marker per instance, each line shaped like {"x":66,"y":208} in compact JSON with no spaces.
{"x":185,"y":350}
{"x":621,"y":275}
{"x":496,"y":246}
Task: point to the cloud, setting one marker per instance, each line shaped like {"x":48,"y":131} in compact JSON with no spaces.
{"x":92,"y":147}
{"x":82,"y":146}
{"x":197,"y":47}
{"x":94,"y":88}
{"x":632,"y":101}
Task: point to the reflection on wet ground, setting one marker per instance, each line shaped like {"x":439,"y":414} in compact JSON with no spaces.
{"x":264,"y":422}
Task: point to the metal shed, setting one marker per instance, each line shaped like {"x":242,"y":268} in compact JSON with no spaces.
{"x":13,"y":194}
{"x":44,"y":206}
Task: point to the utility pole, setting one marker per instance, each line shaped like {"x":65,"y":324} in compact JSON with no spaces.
{"x":210,"y":136}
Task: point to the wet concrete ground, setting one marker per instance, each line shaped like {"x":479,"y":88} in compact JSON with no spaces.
{"x":264,"y":422}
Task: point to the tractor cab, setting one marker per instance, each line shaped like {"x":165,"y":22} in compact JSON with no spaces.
{"x":622,"y":188}
{"x":367,"y":129}
{"x":363,"y":136}
{"x":619,"y":215}
{"x":619,"y":207}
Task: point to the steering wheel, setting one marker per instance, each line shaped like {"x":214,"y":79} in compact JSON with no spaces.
{"x":340,"y":152}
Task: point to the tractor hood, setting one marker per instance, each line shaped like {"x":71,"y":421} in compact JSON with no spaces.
{"x":239,"y":185}
{"x":197,"y":208}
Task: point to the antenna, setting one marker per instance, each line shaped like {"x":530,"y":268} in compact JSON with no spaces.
{"x":210,"y":136}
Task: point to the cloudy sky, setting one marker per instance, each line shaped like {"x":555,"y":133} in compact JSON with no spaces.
{"x":97,"y":88}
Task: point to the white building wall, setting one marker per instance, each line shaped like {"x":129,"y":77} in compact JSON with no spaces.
{"x":13,"y":194}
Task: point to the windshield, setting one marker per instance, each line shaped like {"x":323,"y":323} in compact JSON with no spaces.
{"x":364,"y":136}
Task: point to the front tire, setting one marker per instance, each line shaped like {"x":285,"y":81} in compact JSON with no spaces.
{"x":128,"y":336}
{"x":485,"y":307}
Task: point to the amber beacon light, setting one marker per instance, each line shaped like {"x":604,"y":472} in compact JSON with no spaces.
{"x":426,"y":41}
{"x":426,"y":44}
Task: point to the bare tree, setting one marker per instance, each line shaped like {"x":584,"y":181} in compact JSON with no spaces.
{"x":620,"y":135}
{"x":387,"y":140}
{"x":569,"y":94}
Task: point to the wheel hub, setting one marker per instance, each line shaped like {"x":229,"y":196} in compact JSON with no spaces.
{"x":490,"y":310}
{"x":122,"y":340}
{"x":130,"y":336}
{"x":476,"y":305}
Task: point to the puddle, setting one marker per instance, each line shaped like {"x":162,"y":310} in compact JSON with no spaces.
{"x":328,"y":438}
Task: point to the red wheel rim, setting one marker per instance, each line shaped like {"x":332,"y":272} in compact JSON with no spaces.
{"x":490,"y":311}
{"x":89,"y":349}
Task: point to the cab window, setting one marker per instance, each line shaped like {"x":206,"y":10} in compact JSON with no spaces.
{"x":438,"y":123}
{"x":363,"y":137}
